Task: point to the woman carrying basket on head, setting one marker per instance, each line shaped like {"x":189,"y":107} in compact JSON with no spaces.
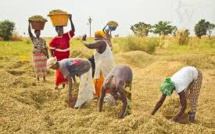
{"x":60,"y":48}
{"x":40,"y":52}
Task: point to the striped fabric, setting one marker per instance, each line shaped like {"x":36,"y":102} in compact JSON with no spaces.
{"x":39,"y":62}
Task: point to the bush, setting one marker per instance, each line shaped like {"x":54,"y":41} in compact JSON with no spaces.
{"x":16,"y":37}
{"x":182,"y":37}
{"x":137,"y":43}
{"x":6,"y":29}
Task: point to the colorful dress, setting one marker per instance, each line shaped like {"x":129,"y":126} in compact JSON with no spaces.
{"x":61,"y":48}
{"x":104,"y":63}
{"x":82,"y":68}
{"x":39,"y":57}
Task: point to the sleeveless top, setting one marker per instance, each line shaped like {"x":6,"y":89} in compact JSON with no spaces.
{"x":104,"y":62}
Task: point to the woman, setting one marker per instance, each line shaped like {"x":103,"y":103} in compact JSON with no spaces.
{"x":76,"y":67}
{"x":187,"y":83}
{"x":104,"y":60}
{"x":119,"y":83}
{"x":40,"y":54}
{"x":59,"y":48}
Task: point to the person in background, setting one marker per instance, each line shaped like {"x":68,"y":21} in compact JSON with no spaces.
{"x":104,"y":60}
{"x":40,"y":53}
{"x":109,"y":27}
{"x":119,"y":83}
{"x":60,"y":48}
{"x":187,"y":83}
{"x":71,"y":67}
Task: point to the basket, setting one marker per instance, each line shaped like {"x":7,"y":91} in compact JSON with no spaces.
{"x":59,"y":19}
{"x":38,"y":25}
{"x":112,"y":28}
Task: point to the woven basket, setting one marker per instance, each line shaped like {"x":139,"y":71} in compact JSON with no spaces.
{"x":59,"y":19}
{"x":38,"y":25}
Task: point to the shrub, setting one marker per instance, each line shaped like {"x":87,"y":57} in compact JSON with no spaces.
{"x":182,"y":37}
{"x":6,"y":29}
{"x":16,"y":37}
{"x":137,"y":43}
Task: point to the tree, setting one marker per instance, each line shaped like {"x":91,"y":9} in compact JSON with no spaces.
{"x":174,"y":30}
{"x":6,"y":29}
{"x":202,"y":27}
{"x":164,"y":28}
{"x":210,"y":27}
{"x":141,"y":29}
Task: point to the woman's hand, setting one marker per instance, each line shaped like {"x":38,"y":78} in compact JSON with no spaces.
{"x":70,"y":16}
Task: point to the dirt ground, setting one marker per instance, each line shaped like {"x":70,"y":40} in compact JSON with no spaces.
{"x":28,"y":106}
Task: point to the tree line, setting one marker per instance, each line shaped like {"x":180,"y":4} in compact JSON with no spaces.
{"x":164,"y":28}
{"x":141,"y":29}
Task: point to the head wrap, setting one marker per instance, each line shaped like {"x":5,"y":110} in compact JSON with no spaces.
{"x":51,"y":62}
{"x":100,"y":33}
{"x":167,"y":86}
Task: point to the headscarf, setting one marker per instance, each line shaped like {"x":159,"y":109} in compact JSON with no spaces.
{"x":51,"y":61}
{"x":167,"y":86}
{"x":100,"y":33}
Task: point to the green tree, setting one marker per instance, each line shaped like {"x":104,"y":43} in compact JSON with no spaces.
{"x":174,"y":30}
{"x":6,"y":29}
{"x":200,"y":28}
{"x":164,"y":28}
{"x":141,"y":29}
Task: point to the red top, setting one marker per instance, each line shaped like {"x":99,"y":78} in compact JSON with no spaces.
{"x":60,"y":45}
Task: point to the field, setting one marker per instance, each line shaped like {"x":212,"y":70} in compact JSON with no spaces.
{"x":28,"y":106}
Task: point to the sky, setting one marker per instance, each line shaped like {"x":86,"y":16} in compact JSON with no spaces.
{"x":182,"y":13}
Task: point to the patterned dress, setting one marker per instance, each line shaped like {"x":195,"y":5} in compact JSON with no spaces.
{"x":192,"y":92}
{"x":39,"y":57}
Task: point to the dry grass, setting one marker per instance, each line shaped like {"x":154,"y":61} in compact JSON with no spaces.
{"x":28,"y":106}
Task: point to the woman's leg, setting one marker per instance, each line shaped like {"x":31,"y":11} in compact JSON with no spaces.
{"x":193,"y":94}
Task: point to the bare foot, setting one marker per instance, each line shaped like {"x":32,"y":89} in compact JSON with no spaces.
{"x":72,"y":102}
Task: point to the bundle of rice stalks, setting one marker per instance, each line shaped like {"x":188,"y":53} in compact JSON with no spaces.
{"x":57,"y":11}
{"x":112,"y":23}
{"x":37,"y":22}
{"x":59,"y":17}
{"x":37,"y":18}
